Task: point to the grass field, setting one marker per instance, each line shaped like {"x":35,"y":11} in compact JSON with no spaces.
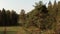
{"x":16,"y":30}
{"x":22,"y":30}
{"x":10,"y":30}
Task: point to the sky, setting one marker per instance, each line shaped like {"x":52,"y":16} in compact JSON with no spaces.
{"x":17,"y":5}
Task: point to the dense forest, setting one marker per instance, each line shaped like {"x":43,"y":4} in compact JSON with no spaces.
{"x":42,"y":17}
{"x":8,"y":18}
{"x":39,"y":16}
{"x":45,"y":18}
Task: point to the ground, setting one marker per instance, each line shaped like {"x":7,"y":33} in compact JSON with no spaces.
{"x":23,"y":30}
{"x":19,"y":30}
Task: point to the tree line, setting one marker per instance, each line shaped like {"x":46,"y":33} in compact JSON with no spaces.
{"x":41,"y":16}
{"x":8,"y":18}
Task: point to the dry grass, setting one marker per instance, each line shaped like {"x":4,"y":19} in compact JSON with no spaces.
{"x":48,"y":32}
{"x":30,"y":30}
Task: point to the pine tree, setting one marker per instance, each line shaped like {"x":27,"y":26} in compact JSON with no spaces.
{"x":4,"y":17}
{"x":22,"y":17}
{"x":0,"y":18}
{"x":50,"y":8}
{"x":8,"y":18}
{"x":54,"y":8}
{"x":14,"y":17}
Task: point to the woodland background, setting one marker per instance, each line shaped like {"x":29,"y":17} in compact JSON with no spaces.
{"x":45,"y":18}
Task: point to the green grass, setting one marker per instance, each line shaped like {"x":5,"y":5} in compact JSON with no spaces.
{"x":1,"y":32}
{"x":10,"y":28}
{"x":8,"y":32}
{"x":17,"y":30}
{"x":11,"y":32}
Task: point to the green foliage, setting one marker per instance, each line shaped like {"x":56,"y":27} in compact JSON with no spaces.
{"x":40,"y":17}
{"x":8,"y":18}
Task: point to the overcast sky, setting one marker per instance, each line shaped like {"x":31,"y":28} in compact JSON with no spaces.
{"x":17,"y":5}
